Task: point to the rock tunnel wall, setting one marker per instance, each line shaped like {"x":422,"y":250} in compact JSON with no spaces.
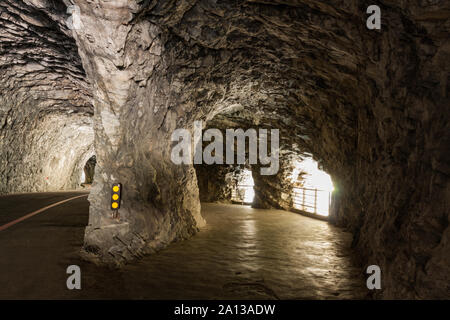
{"x":274,"y":191}
{"x":45,"y":111}
{"x":47,"y":155}
{"x":371,"y":106}
{"x":368,"y":105}
{"x":400,"y":178}
{"x":214,"y":182}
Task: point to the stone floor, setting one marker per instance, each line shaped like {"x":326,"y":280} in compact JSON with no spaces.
{"x":242,"y":253}
{"x":245,"y":253}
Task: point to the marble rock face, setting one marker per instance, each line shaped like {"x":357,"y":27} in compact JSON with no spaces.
{"x":46,"y":128}
{"x":370,"y":106}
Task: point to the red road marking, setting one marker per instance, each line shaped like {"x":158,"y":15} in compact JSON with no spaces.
{"x":9,"y":224}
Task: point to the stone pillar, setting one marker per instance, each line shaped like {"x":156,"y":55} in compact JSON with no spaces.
{"x":135,"y":115}
{"x":273,"y":191}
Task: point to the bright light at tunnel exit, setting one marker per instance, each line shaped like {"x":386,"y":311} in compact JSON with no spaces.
{"x":248,"y":180}
{"x":244,"y":189}
{"x":314,"y":178}
{"x":249,"y":196}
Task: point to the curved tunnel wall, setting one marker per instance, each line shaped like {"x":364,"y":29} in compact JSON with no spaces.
{"x":370,"y":106}
{"x":340,"y":92}
{"x":48,"y":156}
{"x":45,"y":109}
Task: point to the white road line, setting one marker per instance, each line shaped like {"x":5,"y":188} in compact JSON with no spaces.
{"x":9,"y":224}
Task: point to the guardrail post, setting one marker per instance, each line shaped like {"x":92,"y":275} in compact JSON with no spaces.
{"x":329,"y":202}
{"x":315,"y":201}
{"x":303,"y":200}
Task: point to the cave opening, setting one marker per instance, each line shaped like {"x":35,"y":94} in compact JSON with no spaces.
{"x":242,"y":186}
{"x":87,"y":175}
{"x":312,"y":188}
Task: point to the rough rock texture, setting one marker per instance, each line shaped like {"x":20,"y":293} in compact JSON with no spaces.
{"x":214,"y":182}
{"x":137,"y":108}
{"x":274,"y":191}
{"x":46,"y":131}
{"x":371,"y":106}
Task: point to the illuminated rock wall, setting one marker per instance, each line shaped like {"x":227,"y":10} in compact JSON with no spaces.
{"x":370,"y":106}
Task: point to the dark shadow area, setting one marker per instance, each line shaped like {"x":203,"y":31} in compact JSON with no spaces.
{"x":89,"y":171}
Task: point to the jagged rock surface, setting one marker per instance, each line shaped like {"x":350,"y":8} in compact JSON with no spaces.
{"x":46,"y":133}
{"x":275,"y":191}
{"x":214,"y":182}
{"x":371,"y":106}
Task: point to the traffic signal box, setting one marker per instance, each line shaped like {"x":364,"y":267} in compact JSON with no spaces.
{"x":116,"y":196}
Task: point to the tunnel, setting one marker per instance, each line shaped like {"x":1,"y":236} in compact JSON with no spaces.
{"x":106,"y":84}
{"x":87,"y":176}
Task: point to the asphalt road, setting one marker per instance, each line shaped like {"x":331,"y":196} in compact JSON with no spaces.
{"x":35,"y":252}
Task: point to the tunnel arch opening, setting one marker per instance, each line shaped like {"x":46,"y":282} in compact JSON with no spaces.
{"x":312,"y":188}
{"x":87,"y":174}
{"x":242,"y":186}
{"x":298,"y":183}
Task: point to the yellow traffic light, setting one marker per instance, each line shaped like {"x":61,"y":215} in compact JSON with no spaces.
{"x":116,"y":195}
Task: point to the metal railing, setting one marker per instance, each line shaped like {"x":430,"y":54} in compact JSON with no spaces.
{"x":312,"y":201}
{"x":238,"y":193}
